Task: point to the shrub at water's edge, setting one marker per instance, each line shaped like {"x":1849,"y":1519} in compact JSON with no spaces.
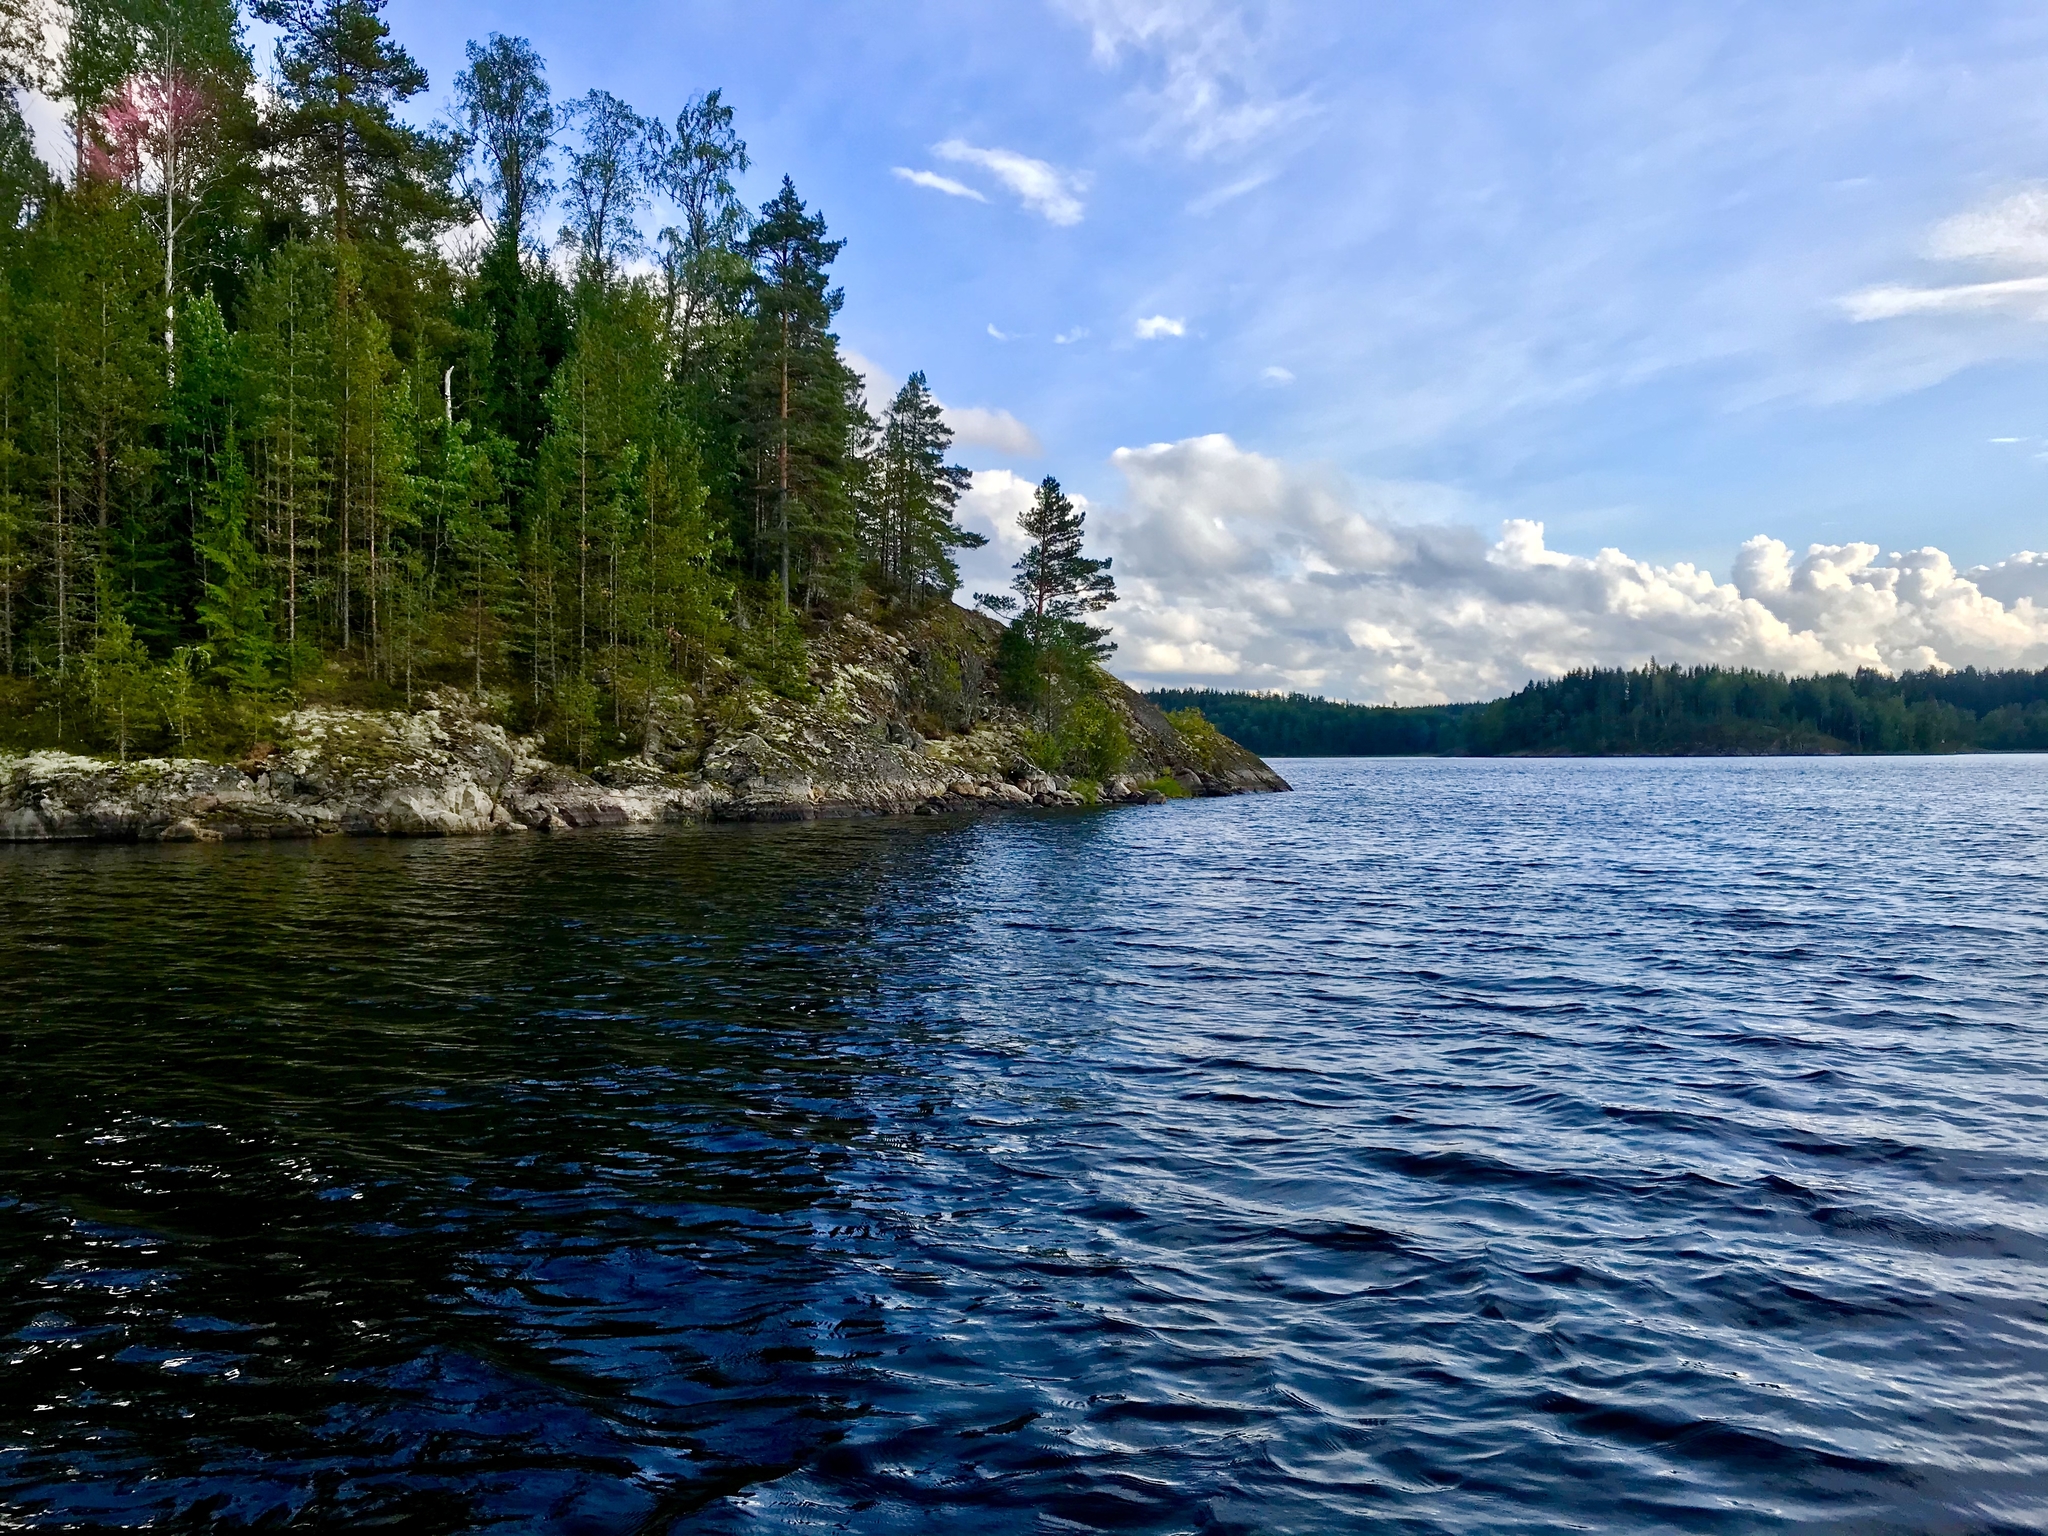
{"x":1658,"y":711}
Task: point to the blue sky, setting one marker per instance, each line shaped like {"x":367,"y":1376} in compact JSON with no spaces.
{"x":1666,"y":279}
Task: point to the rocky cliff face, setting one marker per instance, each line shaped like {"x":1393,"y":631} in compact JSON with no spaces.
{"x":871,"y":742}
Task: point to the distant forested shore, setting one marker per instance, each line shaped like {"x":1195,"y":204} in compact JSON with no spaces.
{"x":1655,"y":710}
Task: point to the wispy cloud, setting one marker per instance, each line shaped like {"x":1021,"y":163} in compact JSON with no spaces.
{"x":937,"y":183}
{"x":2026,"y":296}
{"x":1040,"y":186}
{"x":1068,"y":338}
{"x":1209,"y":202}
{"x":1208,"y":91}
{"x":1276,"y":376}
{"x":1155,"y":326}
{"x":2011,"y":233}
{"x":999,"y":335}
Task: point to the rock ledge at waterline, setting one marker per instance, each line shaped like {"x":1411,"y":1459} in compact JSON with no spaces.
{"x":447,"y":770}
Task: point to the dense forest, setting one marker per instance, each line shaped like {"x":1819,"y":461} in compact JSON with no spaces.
{"x":301,"y":400}
{"x":1657,"y":710}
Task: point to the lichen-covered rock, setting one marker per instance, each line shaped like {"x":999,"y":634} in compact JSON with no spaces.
{"x":448,"y":769}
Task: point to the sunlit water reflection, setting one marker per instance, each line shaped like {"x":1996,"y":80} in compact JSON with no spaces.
{"x":1452,"y":1146}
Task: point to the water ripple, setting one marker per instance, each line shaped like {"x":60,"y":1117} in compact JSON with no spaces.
{"x":1448,"y":1147}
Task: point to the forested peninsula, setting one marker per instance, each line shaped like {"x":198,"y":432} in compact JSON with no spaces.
{"x":1656,"y":710}
{"x":363,"y":476}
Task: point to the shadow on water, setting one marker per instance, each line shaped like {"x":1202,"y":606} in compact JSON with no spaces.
{"x":445,"y":1182}
{"x":1450,"y":1147}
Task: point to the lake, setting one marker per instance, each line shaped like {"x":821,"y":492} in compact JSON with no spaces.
{"x":1451,"y":1146}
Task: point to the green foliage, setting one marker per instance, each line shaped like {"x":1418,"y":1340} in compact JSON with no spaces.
{"x":1201,"y":738}
{"x":769,"y":645}
{"x":1086,"y":738}
{"x":1166,"y":784}
{"x":1659,"y":710}
{"x":799,"y":407}
{"x":1058,"y":584}
{"x":261,"y":440}
{"x":117,"y":676}
{"x":177,"y":694}
{"x":912,"y":497}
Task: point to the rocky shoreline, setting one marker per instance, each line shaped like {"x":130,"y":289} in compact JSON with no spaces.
{"x":449,"y":769}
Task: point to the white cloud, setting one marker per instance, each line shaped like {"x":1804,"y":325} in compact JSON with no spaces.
{"x":47,"y":125}
{"x":2015,"y":579}
{"x":2023,"y":296}
{"x":1242,"y":571}
{"x":1155,"y":326}
{"x":977,"y":426}
{"x":1043,"y":188}
{"x":881,"y":384}
{"x":1068,"y":338}
{"x":993,"y":506}
{"x":2012,"y":232}
{"x":937,"y":183}
{"x":1276,"y":377}
{"x":1209,"y":202}
{"x":2008,"y":439}
{"x":1208,"y":91}
{"x":999,"y":335}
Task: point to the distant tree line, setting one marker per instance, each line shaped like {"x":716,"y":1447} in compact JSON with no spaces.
{"x":1656,"y":710}
{"x":300,"y":399}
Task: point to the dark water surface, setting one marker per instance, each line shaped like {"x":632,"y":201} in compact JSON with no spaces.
{"x":1451,"y":1146}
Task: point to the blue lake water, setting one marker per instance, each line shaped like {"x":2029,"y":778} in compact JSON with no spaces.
{"x":1448,"y":1147}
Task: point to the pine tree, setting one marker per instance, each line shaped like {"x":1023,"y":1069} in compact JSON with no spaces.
{"x":802,"y":401}
{"x":919,"y":492}
{"x":364,"y":174}
{"x":1060,"y":586}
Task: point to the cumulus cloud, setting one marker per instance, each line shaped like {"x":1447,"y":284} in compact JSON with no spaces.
{"x":1043,"y":188}
{"x":937,"y":183}
{"x":1245,"y":572}
{"x":976,"y":426}
{"x":994,"y":506}
{"x":1155,"y":326}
